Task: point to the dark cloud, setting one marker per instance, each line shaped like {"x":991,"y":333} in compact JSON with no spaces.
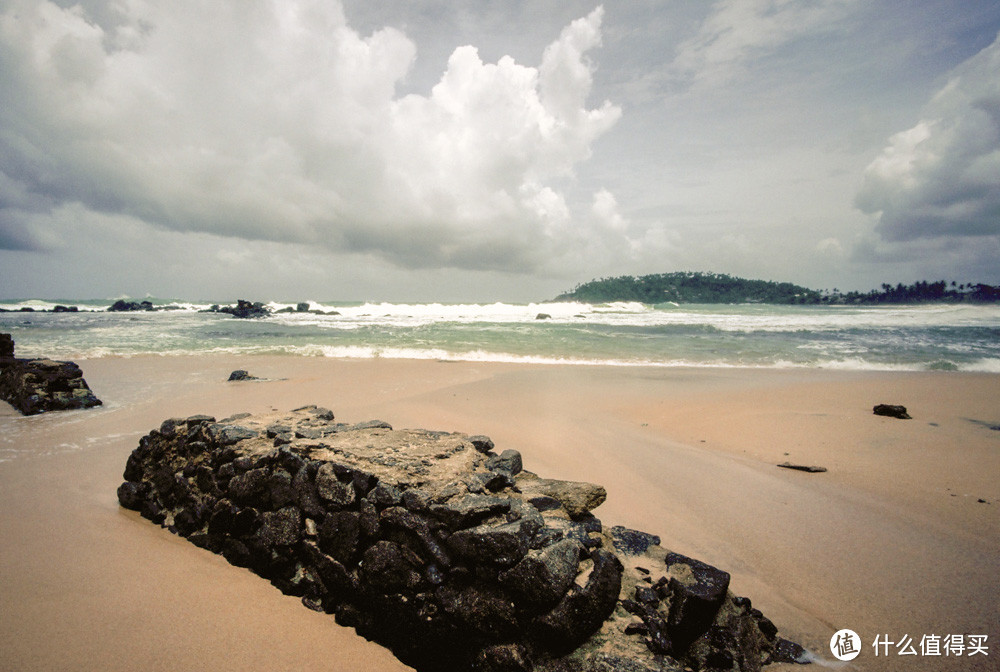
{"x":16,"y":235}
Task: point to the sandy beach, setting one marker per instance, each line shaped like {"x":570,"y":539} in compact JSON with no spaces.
{"x":893,"y":540}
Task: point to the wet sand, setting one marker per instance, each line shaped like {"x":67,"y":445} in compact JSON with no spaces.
{"x":891,"y":540}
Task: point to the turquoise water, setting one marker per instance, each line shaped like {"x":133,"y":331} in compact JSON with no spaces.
{"x":928,"y":337}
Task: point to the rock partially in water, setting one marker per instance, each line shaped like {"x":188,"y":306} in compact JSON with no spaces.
{"x":439,"y":548}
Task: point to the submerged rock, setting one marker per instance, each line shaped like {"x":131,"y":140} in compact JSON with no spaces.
{"x":437,"y":547}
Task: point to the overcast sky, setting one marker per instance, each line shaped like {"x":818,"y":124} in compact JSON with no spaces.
{"x":479,"y":151}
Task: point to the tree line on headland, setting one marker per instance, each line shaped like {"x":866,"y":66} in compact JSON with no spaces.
{"x":695,"y":287}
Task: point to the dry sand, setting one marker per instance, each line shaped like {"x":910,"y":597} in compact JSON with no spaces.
{"x":892,"y":540}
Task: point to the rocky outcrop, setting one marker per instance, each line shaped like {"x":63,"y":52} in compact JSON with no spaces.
{"x":121,"y":305}
{"x":37,"y":385}
{"x":243,"y":309}
{"x":892,"y":411}
{"x":436,"y":546}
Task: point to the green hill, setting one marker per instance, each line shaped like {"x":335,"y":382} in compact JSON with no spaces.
{"x":689,"y":287}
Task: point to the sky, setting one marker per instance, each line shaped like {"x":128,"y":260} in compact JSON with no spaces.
{"x":487,"y":151}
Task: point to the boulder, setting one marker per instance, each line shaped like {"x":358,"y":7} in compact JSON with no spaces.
{"x":240,"y":374}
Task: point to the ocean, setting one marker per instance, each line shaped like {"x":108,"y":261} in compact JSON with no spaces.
{"x":950,"y":337}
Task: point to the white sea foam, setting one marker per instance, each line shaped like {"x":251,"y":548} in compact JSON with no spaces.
{"x":952,"y":337}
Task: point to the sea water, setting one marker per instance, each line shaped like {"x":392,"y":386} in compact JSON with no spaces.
{"x":920,"y":337}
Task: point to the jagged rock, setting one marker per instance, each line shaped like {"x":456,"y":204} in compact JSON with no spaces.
{"x":582,"y":610}
{"x":632,"y":542}
{"x":121,"y":305}
{"x":244,"y":309}
{"x":282,"y":527}
{"x":469,"y":510}
{"x":227,"y":435}
{"x":508,"y":461}
{"x":386,"y":530}
{"x":331,"y":489}
{"x":502,"y":545}
{"x":387,"y":567}
{"x":577,"y":498}
{"x":484,"y":609}
{"x":695,"y":599}
{"x":38,"y":385}
{"x":241,"y":374}
{"x":892,"y":411}
{"x":542,"y":577}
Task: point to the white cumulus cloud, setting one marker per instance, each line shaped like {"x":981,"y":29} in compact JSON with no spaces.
{"x":941,"y":178}
{"x":268,"y":120}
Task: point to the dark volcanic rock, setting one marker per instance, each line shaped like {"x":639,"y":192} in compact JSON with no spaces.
{"x":241,"y":374}
{"x":6,"y":347}
{"x":582,"y":610}
{"x":393,"y":532}
{"x":695,"y":599}
{"x":38,"y":385}
{"x":121,"y":305}
{"x":632,"y":542}
{"x":892,"y":411}
{"x":577,"y":498}
{"x":246,"y":309}
{"x":508,"y":461}
{"x":542,"y":577}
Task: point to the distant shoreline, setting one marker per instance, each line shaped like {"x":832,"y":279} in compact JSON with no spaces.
{"x":697,"y":287}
